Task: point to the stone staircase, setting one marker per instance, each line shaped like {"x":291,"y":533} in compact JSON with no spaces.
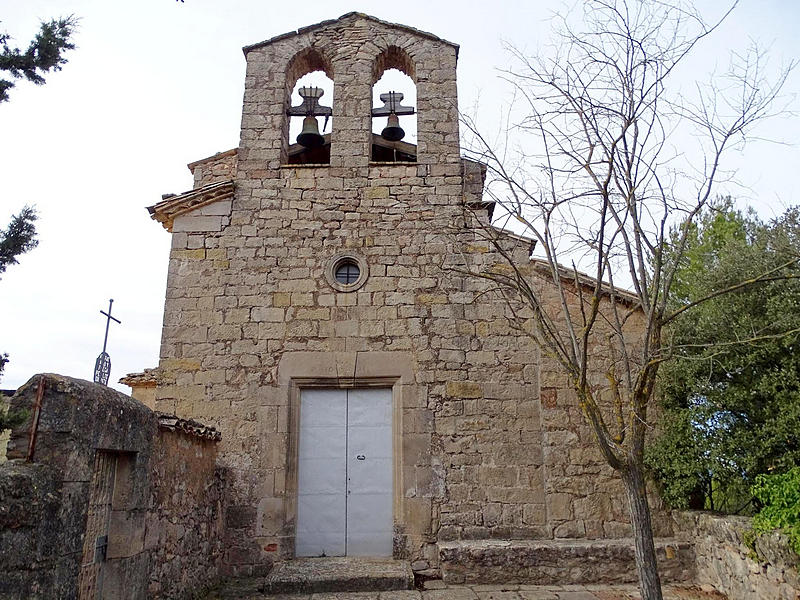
{"x":322,"y":575}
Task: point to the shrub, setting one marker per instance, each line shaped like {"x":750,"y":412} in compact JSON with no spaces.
{"x":780,"y":498}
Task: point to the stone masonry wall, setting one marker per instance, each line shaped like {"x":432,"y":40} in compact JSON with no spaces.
{"x":487,"y":444}
{"x":31,"y":561}
{"x":214,"y":169}
{"x":75,"y":419}
{"x":585,"y":497}
{"x":163,"y":517}
{"x":725,"y":562}
{"x":185,"y":516}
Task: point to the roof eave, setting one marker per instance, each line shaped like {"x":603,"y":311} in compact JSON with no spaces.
{"x":570,"y":276}
{"x":167,"y":210}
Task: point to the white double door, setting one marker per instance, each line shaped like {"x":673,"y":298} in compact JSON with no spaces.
{"x":344,"y":497}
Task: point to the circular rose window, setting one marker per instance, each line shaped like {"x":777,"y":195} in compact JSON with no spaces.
{"x":346,"y":272}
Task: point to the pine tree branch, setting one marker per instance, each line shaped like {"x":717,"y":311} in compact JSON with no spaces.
{"x":45,"y":53}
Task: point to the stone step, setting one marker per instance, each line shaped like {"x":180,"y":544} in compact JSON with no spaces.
{"x":550,"y":562}
{"x":339,"y":574}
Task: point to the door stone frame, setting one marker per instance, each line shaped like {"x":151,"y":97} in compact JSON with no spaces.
{"x":348,"y":370}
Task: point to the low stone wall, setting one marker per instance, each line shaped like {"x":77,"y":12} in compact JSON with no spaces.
{"x":102,"y":495}
{"x":548,"y":562}
{"x":74,"y":419}
{"x":185,"y":516}
{"x":5,"y":434}
{"x":725,"y":562}
{"x":32,"y":565}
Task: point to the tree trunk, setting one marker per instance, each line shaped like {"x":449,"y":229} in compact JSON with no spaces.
{"x":646,"y":567}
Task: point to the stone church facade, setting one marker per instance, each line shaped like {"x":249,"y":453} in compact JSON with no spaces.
{"x":392,"y":412}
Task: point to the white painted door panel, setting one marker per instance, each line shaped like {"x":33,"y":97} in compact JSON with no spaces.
{"x":322,"y":474}
{"x":344,"y":501}
{"x":369,"y":473}
{"x":370,"y":408}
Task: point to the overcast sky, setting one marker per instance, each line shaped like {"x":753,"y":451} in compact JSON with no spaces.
{"x":156,"y":84}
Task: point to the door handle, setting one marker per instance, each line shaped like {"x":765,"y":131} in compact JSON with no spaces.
{"x":360,"y":457}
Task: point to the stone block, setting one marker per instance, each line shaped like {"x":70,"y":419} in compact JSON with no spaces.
{"x":270,"y":517}
{"x":196,"y":254}
{"x":261,"y":313}
{"x":454,"y":356}
{"x":559,"y":507}
{"x":464,"y":389}
{"x":376,"y":192}
{"x":417,"y":449}
{"x":570,"y":529}
{"x":240,"y":517}
{"x":190,"y":223}
{"x":385,"y":364}
{"x":549,"y":397}
{"x":534,"y":514}
{"x":306,"y":364}
{"x":223,"y":207}
{"x":281,"y":299}
{"x":498,"y":476}
{"x":418,"y":515}
{"x":216,"y":253}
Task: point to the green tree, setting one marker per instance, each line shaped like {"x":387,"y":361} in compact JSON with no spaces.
{"x":45,"y":53}
{"x":731,"y":400}
{"x":19,"y":237}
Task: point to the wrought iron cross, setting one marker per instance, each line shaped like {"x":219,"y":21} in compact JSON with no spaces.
{"x":102,"y":366}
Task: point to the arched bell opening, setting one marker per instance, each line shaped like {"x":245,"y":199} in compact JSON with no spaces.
{"x":394,"y":98}
{"x":308,"y":109}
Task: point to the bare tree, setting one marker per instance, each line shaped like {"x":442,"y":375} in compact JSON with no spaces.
{"x":591,"y":168}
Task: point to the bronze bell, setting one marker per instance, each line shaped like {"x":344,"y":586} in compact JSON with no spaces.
{"x":393,"y":132}
{"x":310,"y":137}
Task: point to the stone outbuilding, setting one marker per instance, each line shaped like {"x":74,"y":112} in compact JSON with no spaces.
{"x":372,"y":397}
